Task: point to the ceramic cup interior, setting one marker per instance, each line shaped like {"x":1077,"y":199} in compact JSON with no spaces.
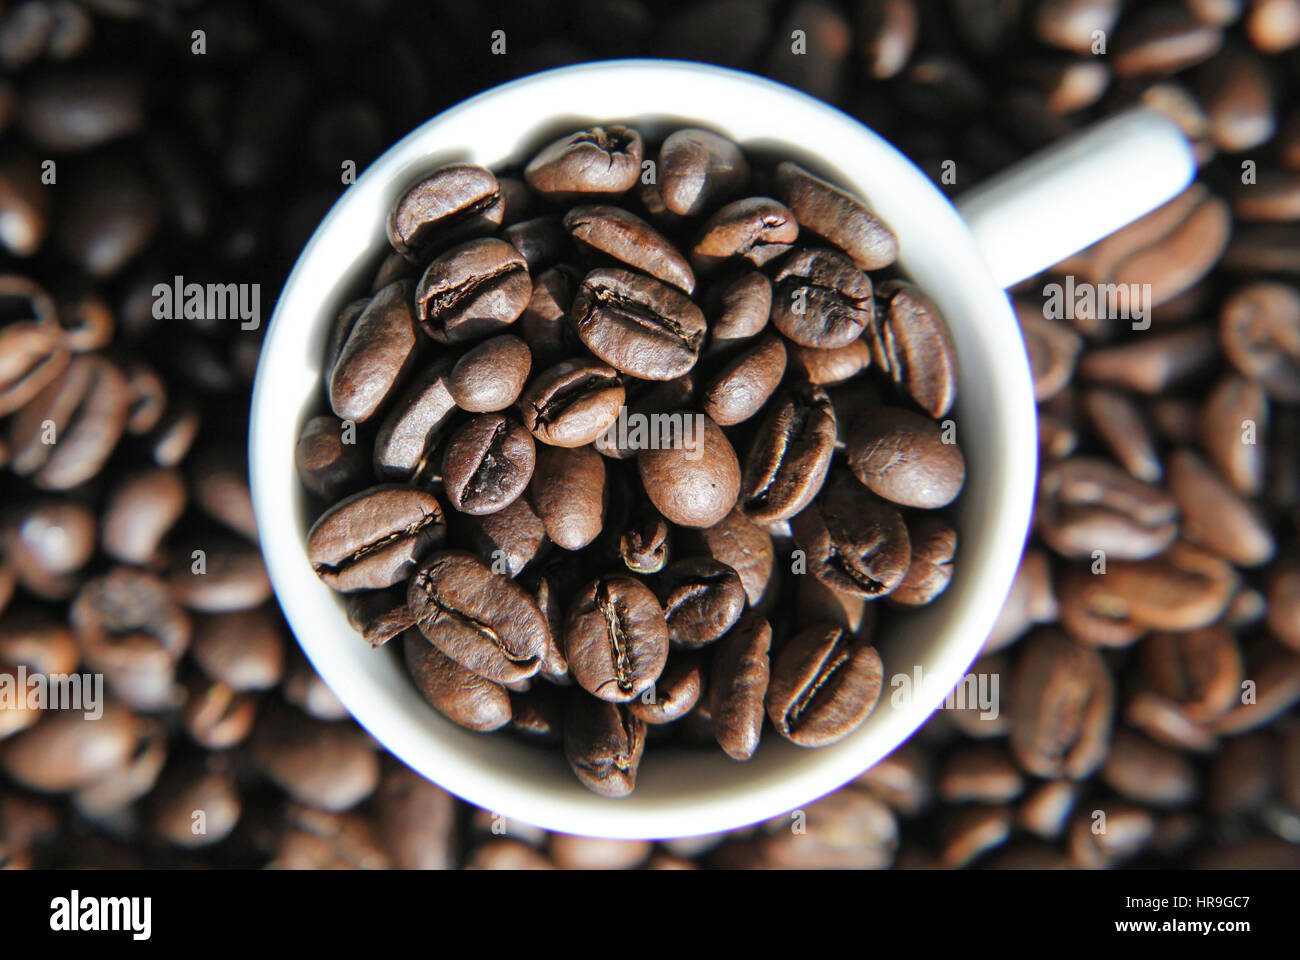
{"x":678,"y":792}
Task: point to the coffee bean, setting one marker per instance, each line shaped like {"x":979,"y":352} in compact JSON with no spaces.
{"x":1260,"y":333}
{"x":490,"y":376}
{"x":628,"y":238}
{"x":644,"y":545}
{"x":68,"y":749}
{"x":456,"y":202}
{"x":638,"y":325}
{"x":541,"y":241}
{"x":741,"y":388}
{"x":509,"y":539}
{"x":1199,"y":672}
{"x":1147,"y":773}
{"x":854,"y":542}
{"x":602,"y":160}
{"x":1118,"y":420}
{"x":887,"y":36}
{"x":789,"y":456}
{"x":692,"y":478}
{"x":904,"y":457}
{"x":378,"y":353}
{"x":615,"y":638}
{"x":324,"y":765}
{"x":738,"y":682}
{"x":456,"y":692}
{"x":934,"y":544}
{"x":374,"y":538}
{"x":980,"y":774}
{"x":1214,"y":516}
{"x":243,"y":649}
{"x":1062,"y":700}
{"x":481,"y":619}
{"x":825,"y":683}
{"x":757,"y":229}
{"x":744,"y":305}
{"x":66,"y":433}
{"x":674,"y":694}
{"x":911,"y":344}
{"x":603,"y":743}
{"x":1085,"y":504}
{"x":702,"y":599}
{"x":487,"y":463}
{"x":572,"y":403}
{"x":1238,"y":99}
{"x":830,"y":367}
{"x":472,"y":291}
{"x":409,"y":432}
{"x":697,"y":169}
{"x":570,"y":495}
{"x":1164,"y":40}
{"x":820,"y":299}
{"x":544,"y":322}
{"x":834,"y":215}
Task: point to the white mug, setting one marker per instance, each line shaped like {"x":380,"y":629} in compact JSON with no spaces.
{"x":1027,"y":219}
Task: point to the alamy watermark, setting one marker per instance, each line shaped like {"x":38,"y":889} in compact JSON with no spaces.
{"x":976,"y":691}
{"x":54,"y":691}
{"x":179,"y":300}
{"x":1102,"y":301}
{"x":658,"y":431}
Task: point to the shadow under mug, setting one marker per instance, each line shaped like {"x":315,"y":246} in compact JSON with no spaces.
{"x":1011,"y":228}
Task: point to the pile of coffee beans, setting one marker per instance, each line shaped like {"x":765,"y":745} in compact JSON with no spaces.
{"x":531,"y":461}
{"x":217,"y":165}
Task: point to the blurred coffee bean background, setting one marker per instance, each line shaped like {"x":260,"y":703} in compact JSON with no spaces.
{"x":141,"y":140}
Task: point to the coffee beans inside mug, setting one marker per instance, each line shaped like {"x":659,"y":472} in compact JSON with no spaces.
{"x":601,"y":437}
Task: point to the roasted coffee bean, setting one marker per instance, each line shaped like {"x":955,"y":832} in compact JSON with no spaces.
{"x":210,"y":788}
{"x":602,"y":160}
{"x":541,"y":241}
{"x":569,"y":493}
{"x":1085,"y":504}
{"x":644,"y":545}
{"x":509,"y":538}
{"x":1260,"y":333}
{"x":70,"y":749}
{"x":934,"y":544}
{"x":702,"y":599}
{"x":408,"y":434}
{"x":487,"y":463}
{"x":1118,"y":420}
{"x":906,"y":458}
{"x":1284,"y":603}
{"x":242,"y":649}
{"x":1200,"y":672}
{"x":674,"y":694}
{"x":638,"y":325}
{"x":744,"y":306}
{"x":139,"y":513}
{"x":490,"y":376}
{"x":457,"y":202}
{"x":887,"y":36}
{"x":757,"y":229}
{"x":603,"y":743}
{"x":980,"y":774}
{"x":1164,"y":40}
{"x":379,"y":615}
{"x":66,"y":433}
{"x":472,"y":291}
{"x":698,"y":169}
{"x":628,"y":238}
{"x":328,"y":766}
{"x":327,"y":465}
{"x":219,"y":574}
{"x":1238,"y":100}
{"x":789,"y":456}
{"x":616,"y":638}
{"x":829,"y":367}
{"x":834,"y":215}
{"x":1214,"y":516}
{"x":1182,"y":589}
{"x":458,"y":693}
{"x":910,"y":343}
{"x":378,"y":353}
{"x":825,"y":683}
{"x":1062,"y":701}
{"x":481,"y":619}
{"x":821,"y":299}
{"x":544,"y":322}
{"x":217,"y":717}
{"x":572,"y":403}
{"x":374,"y":538}
{"x":743,"y":386}
{"x":854,"y":542}
{"x":738,"y":683}
{"x":691,"y":474}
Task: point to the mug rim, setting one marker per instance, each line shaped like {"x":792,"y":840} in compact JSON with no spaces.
{"x":371,"y":701}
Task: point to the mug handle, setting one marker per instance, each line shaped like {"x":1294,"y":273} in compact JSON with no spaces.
{"x":1075,"y":192}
